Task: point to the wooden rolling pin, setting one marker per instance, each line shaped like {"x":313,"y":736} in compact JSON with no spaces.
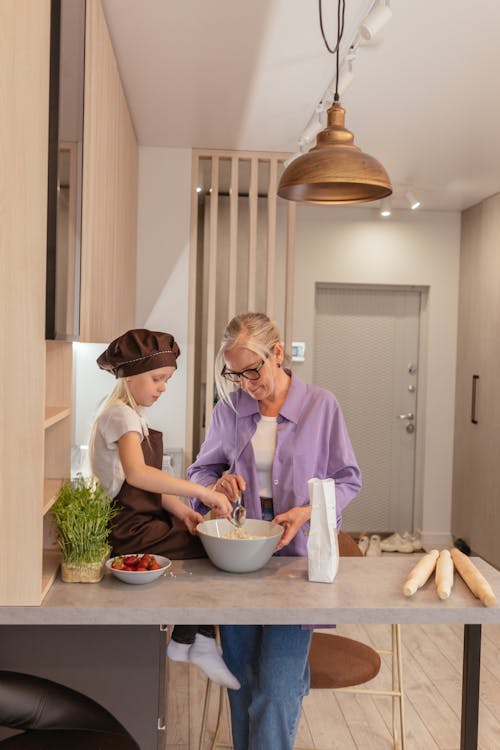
{"x":420,"y":573}
{"x":444,"y":574}
{"x":473,"y":578}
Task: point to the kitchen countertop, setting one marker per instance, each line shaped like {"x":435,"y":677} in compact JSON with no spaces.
{"x":366,"y":590}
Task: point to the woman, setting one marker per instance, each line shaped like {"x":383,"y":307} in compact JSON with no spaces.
{"x":265,"y":440}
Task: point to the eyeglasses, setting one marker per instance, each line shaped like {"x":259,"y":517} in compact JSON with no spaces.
{"x":253,"y":373}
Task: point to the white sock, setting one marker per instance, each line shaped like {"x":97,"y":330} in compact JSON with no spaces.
{"x":178,"y":651}
{"x":205,"y":654}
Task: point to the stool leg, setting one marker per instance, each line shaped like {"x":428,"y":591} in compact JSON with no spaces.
{"x":219,"y":718}
{"x":397,"y":686}
{"x":401,"y":689}
{"x":204,"y":717}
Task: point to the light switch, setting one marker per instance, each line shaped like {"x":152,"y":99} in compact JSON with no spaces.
{"x":298,"y":351}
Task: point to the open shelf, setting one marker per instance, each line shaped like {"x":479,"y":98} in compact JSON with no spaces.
{"x":50,"y":489}
{"x":57,"y":448}
{"x":51,"y":561}
{"x":55,"y":414}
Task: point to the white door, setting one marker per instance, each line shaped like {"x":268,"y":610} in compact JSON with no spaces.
{"x":366,"y":352}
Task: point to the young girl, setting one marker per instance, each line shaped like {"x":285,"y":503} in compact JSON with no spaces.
{"x":126,"y":457}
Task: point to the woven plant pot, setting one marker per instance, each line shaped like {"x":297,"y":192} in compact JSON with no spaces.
{"x":82,"y":572}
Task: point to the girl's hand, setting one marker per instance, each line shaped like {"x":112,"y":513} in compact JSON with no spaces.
{"x":291,"y":521}
{"x":231,"y":485}
{"x":218,"y":503}
{"x":192,"y":519}
{"x":182,"y":511}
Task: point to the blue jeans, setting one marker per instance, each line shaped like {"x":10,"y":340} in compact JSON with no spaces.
{"x":270,"y":661}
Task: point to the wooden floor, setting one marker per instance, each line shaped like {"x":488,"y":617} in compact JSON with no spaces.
{"x":432,"y":664}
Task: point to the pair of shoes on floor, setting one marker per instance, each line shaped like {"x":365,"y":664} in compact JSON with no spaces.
{"x":402,"y":542}
{"x":369,"y":546}
{"x":207,"y":655}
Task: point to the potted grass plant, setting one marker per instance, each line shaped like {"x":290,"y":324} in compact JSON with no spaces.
{"x":82,"y":513}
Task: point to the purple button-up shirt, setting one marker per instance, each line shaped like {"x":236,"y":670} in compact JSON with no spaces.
{"x":312,"y":441}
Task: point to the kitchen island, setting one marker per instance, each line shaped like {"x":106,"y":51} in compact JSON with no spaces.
{"x":366,"y":590}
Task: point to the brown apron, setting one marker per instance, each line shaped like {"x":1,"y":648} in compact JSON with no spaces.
{"x":143,"y":525}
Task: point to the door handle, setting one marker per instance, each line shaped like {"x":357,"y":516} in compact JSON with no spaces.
{"x":409,"y":416}
{"x":473,"y":416}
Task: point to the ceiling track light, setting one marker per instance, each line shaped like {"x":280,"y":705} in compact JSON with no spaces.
{"x":334,"y":171}
{"x":385,"y":207}
{"x":413,"y":201}
{"x":376,"y":19}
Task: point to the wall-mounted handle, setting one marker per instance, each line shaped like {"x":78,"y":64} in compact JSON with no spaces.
{"x":473,"y":419}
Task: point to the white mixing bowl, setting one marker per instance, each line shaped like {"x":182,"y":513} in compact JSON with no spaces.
{"x":239,"y":555}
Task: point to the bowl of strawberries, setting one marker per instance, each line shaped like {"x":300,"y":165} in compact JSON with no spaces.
{"x":138,"y":568}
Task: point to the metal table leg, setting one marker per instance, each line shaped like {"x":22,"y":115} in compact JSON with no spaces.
{"x":470,"y":687}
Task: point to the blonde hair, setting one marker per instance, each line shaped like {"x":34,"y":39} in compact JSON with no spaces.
{"x":254,"y":331}
{"x":120,"y":393}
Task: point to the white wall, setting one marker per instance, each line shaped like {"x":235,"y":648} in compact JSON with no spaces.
{"x":163,"y":270}
{"x":354,"y":245}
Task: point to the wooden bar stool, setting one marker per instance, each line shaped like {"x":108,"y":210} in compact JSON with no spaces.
{"x":341,"y":664}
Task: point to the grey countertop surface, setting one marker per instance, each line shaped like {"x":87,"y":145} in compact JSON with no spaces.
{"x":366,"y":590}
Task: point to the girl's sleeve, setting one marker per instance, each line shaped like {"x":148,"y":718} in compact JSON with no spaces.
{"x":117,"y":421}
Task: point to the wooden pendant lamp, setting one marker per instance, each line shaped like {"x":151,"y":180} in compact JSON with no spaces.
{"x":335,"y":171}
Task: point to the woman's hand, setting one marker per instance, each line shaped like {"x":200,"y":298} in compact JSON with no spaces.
{"x":291,"y":521}
{"x":231,"y":485}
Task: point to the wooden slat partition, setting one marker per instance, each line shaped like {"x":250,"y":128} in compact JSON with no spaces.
{"x":233,"y":237}
{"x":252,"y":233}
{"x":290,"y":274}
{"x":191,"y":332}
{"x":271,"y":235}
{"x":239,"y":275}
{"x":212,"y":277}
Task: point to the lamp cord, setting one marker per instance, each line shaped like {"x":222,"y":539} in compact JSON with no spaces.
{"x":340,"y":31}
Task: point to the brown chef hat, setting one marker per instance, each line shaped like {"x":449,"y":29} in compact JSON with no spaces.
{"x":139,"y":351}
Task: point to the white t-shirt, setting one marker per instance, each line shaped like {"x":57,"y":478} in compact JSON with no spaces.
{"x":264,"y":447}
{"x":111,"y":425}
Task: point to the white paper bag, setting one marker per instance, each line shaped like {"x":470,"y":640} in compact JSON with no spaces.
{"x":322,"y":543}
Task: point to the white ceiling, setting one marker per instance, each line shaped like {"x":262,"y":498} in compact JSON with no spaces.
{"x":240,"y":74}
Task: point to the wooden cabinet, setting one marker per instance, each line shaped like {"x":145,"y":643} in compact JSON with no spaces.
{"x":109,"y":200}
{"x":24,"y":83}
{"x":476,"y":476}
{"x":35,"y":376}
